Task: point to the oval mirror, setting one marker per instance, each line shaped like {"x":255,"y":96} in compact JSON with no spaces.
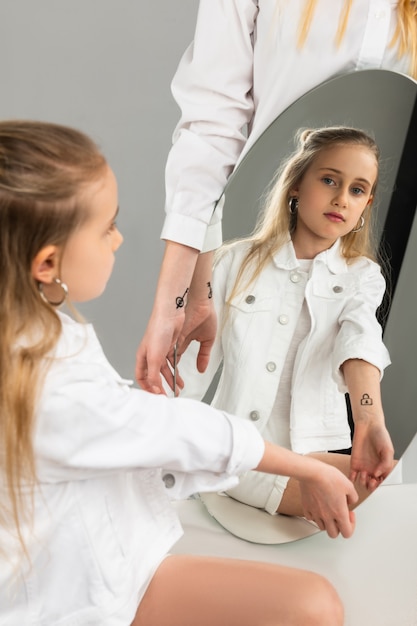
{"x":383,"y":103}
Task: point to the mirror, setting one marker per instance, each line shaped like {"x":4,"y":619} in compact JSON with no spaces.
{"x":384,"y":103}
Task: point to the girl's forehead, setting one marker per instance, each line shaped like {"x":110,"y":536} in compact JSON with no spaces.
{"x":359,"y":155}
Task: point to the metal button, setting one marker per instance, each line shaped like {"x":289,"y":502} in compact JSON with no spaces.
{"x":295,"y":277}
{"x":169,"y":480}
{"x":271,"y":366}
{"x":254,"y":415}
{"x":283,"y":319}
{"x":250,"y":299}
{"x":337,"y":289}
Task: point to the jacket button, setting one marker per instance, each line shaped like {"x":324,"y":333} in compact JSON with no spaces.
{"x":295,"y":277}
{"x":250,"y":299}
{"x":254,"y":415}
{"x":337,"y":289}
{"x":271,"y":367}
{"x":283,"y":319}
{"x":169,"y":480}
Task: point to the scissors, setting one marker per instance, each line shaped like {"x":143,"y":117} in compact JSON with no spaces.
{"x":175,"y":369}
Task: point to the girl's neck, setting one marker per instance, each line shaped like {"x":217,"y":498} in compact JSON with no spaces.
{"x":310,"y":249}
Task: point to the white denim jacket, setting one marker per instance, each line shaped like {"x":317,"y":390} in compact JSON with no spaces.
{"x":254,"y":335}
{"x":102,"y":516}
{"x":243,"y":69}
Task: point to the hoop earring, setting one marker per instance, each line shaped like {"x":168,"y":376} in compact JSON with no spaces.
{"x":293,"y":206}
{"x":64,"y":288}
{"x":356,"y":230}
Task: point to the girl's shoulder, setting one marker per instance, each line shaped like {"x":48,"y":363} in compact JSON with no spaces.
{"x":232,"y":252}
{"x":363,"y":264}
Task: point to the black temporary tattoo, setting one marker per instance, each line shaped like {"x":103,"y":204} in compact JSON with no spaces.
{"x":180,"y":300}
{"x":210,"y":293}
{"x":366,"y":399}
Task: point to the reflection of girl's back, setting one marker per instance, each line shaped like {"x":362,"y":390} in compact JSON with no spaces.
{"x":296,"y":303}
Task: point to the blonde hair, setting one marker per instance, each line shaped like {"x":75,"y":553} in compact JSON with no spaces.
{"x":275,"y":223}
{"x":405,"y":35}
{"x":43,"y":171}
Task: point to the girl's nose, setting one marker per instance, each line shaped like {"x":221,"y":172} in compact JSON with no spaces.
{"x":341,"y":198}
{"x":118,"y":240}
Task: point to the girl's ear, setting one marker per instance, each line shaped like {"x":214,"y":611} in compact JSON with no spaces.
{"x":370,"y":200}
{"x":45,"y":264}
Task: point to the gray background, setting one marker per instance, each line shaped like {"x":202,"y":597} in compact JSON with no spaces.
{"x":105,"y":66}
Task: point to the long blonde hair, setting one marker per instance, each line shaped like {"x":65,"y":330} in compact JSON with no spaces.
{"x":43,"y":170}
{"x":405,"y":35}
{"x":275,"y":222}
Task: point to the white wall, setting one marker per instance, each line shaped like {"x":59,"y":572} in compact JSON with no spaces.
{"x":105,"y":66}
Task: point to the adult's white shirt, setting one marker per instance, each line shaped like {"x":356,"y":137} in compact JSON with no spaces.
{"x":102,"y":519}
{"x":242,"y":70}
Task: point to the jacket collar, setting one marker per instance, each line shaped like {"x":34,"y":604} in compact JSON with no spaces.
{"x":285,"y":258}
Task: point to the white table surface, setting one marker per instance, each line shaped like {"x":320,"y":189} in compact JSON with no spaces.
{"x":375,"y":571}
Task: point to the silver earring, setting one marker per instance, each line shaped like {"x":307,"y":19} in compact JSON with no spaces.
{"x":64,"y":289}
{"x":293,"y":206}
{"x":362,"y":220}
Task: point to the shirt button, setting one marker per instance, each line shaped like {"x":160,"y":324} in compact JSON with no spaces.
{"x":250,"y":299}
{"x":271,"y":366}
{"x":283,"y":319}
{"x":337,"y":289}
{"x":295,"y":277}
{"x":169,"y":480}
{"x":254,"y":415}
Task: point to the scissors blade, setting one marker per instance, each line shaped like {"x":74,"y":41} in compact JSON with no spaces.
{"x":175,"y":370}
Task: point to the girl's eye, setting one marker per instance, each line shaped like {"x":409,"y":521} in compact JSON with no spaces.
{"x":113,"y":226}
{"x":357,"y":191}
{"x":327,"y":180}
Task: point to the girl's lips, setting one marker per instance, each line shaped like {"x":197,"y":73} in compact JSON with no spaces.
{"x":335,"y":217}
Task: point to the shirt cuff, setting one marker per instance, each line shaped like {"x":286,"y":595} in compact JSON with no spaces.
{"x":248,"y":446}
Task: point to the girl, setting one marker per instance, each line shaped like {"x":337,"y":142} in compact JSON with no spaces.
{"x":296,"y":303}
{"x":264,"y":56}
{"x":85,"y":518}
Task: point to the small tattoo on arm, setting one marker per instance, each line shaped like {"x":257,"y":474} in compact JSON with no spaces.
{"x":180,"y":300}
{"x":210,"y":293}
{"x":366,"y":399}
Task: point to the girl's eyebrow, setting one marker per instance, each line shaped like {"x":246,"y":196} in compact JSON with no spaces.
{"x":332,"y":169}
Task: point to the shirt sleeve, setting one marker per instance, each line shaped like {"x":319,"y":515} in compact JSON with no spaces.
{"x":360,"y":335}
{"x":213,"y":88}
{"x":89,"y":422}
{"x":263,"y":491}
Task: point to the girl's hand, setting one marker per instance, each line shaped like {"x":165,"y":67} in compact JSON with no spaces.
{"x":326,"y":498}
{"x":372,"y":456}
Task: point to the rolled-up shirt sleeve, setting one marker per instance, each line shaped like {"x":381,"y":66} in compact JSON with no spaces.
{"x":213,"y":88}
{"x":90,"y":422}
{"x":360,"y":334}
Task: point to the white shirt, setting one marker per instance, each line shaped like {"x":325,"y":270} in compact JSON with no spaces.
{"x":243,"y":69}
{"x":256,"y":335}
{"x":102,"y":516}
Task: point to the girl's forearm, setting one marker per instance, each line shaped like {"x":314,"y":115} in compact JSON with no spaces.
{"x":277,"y":460}
{"x":363,"y":382}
